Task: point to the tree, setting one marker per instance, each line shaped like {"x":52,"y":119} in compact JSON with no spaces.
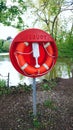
{"x":48,"y":15}
{"x":11,"y":13}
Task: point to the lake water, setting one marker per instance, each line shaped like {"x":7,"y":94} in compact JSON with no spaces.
{"x":62,"y":69}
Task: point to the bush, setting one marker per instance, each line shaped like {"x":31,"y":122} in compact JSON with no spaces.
{"x":65,"y":49}
{"x":2,"y":86}
{"x":5,"y":47}
{"x":2,"y":83}
{"x":1,"y":44}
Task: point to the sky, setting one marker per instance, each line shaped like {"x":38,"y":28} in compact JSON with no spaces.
{"x":7,"y":31}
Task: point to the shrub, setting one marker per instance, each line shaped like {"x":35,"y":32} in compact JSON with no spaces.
{"x":5,"y":47}
{"x":2,"y":83}
{"x":2,"y":86}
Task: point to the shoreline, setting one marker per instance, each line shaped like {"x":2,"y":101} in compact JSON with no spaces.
{"x":4,"y":54}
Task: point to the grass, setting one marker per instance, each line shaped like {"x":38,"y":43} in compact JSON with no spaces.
{"x":49,"y":85}
{"x":4,"y":89}
{"x":50,"y":104}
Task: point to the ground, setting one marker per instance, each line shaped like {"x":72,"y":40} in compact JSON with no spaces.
{"x":54,"y":108}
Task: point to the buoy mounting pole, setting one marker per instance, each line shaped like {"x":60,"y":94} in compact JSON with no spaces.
{"x":34,"y":97}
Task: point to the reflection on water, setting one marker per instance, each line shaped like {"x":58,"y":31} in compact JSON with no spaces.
{"x":14,"y":78}
{"x":62,"y":69}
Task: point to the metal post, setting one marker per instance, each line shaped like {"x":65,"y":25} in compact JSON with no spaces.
{"x":8,"y":80}
{"x":34,"y":97}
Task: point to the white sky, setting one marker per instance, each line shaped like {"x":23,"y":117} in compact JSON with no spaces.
{"x":7,"y":31}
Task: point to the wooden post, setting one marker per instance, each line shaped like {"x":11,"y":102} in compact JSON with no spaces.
{"x":8,"y":80}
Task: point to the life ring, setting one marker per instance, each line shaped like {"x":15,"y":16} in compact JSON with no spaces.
{"x":30,"y":70}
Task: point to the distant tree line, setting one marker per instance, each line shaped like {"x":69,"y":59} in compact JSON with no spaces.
{"x":4,"y":44}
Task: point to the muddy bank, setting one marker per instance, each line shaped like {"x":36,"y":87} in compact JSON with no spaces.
{"x":16,"y":108}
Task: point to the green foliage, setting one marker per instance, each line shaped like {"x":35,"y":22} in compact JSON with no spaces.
{"x":50,"y":104}
{"x":36,"y":123}
{"x":14,"y":89}
{"x":5,"y":47}
{"x":2,"y":86}
{"x":48,"y":85}
{"x":1,"y":44}
{"x":65,"y":49}
{"x":46,"y":13}
{"x":12,"y":12}
{"x":2,"y":83}
{"x":24,"y":87}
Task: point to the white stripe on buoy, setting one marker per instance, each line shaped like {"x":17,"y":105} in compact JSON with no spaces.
{"x":47,"y":44}
{"x":26,"y":43}
{"x":24,"y":66}
{"x":46,"y":66}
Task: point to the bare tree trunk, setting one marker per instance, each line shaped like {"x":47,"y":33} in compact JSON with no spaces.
{"x":55,"y":21}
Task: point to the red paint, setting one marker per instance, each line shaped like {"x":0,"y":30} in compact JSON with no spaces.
{"x":20,"y":53}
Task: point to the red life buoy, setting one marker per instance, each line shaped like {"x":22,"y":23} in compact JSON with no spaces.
{"x":33,"y":52}
{"x":25,"y":49}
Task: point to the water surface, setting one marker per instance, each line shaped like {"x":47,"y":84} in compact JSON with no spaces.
{"x":62,"y":69}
